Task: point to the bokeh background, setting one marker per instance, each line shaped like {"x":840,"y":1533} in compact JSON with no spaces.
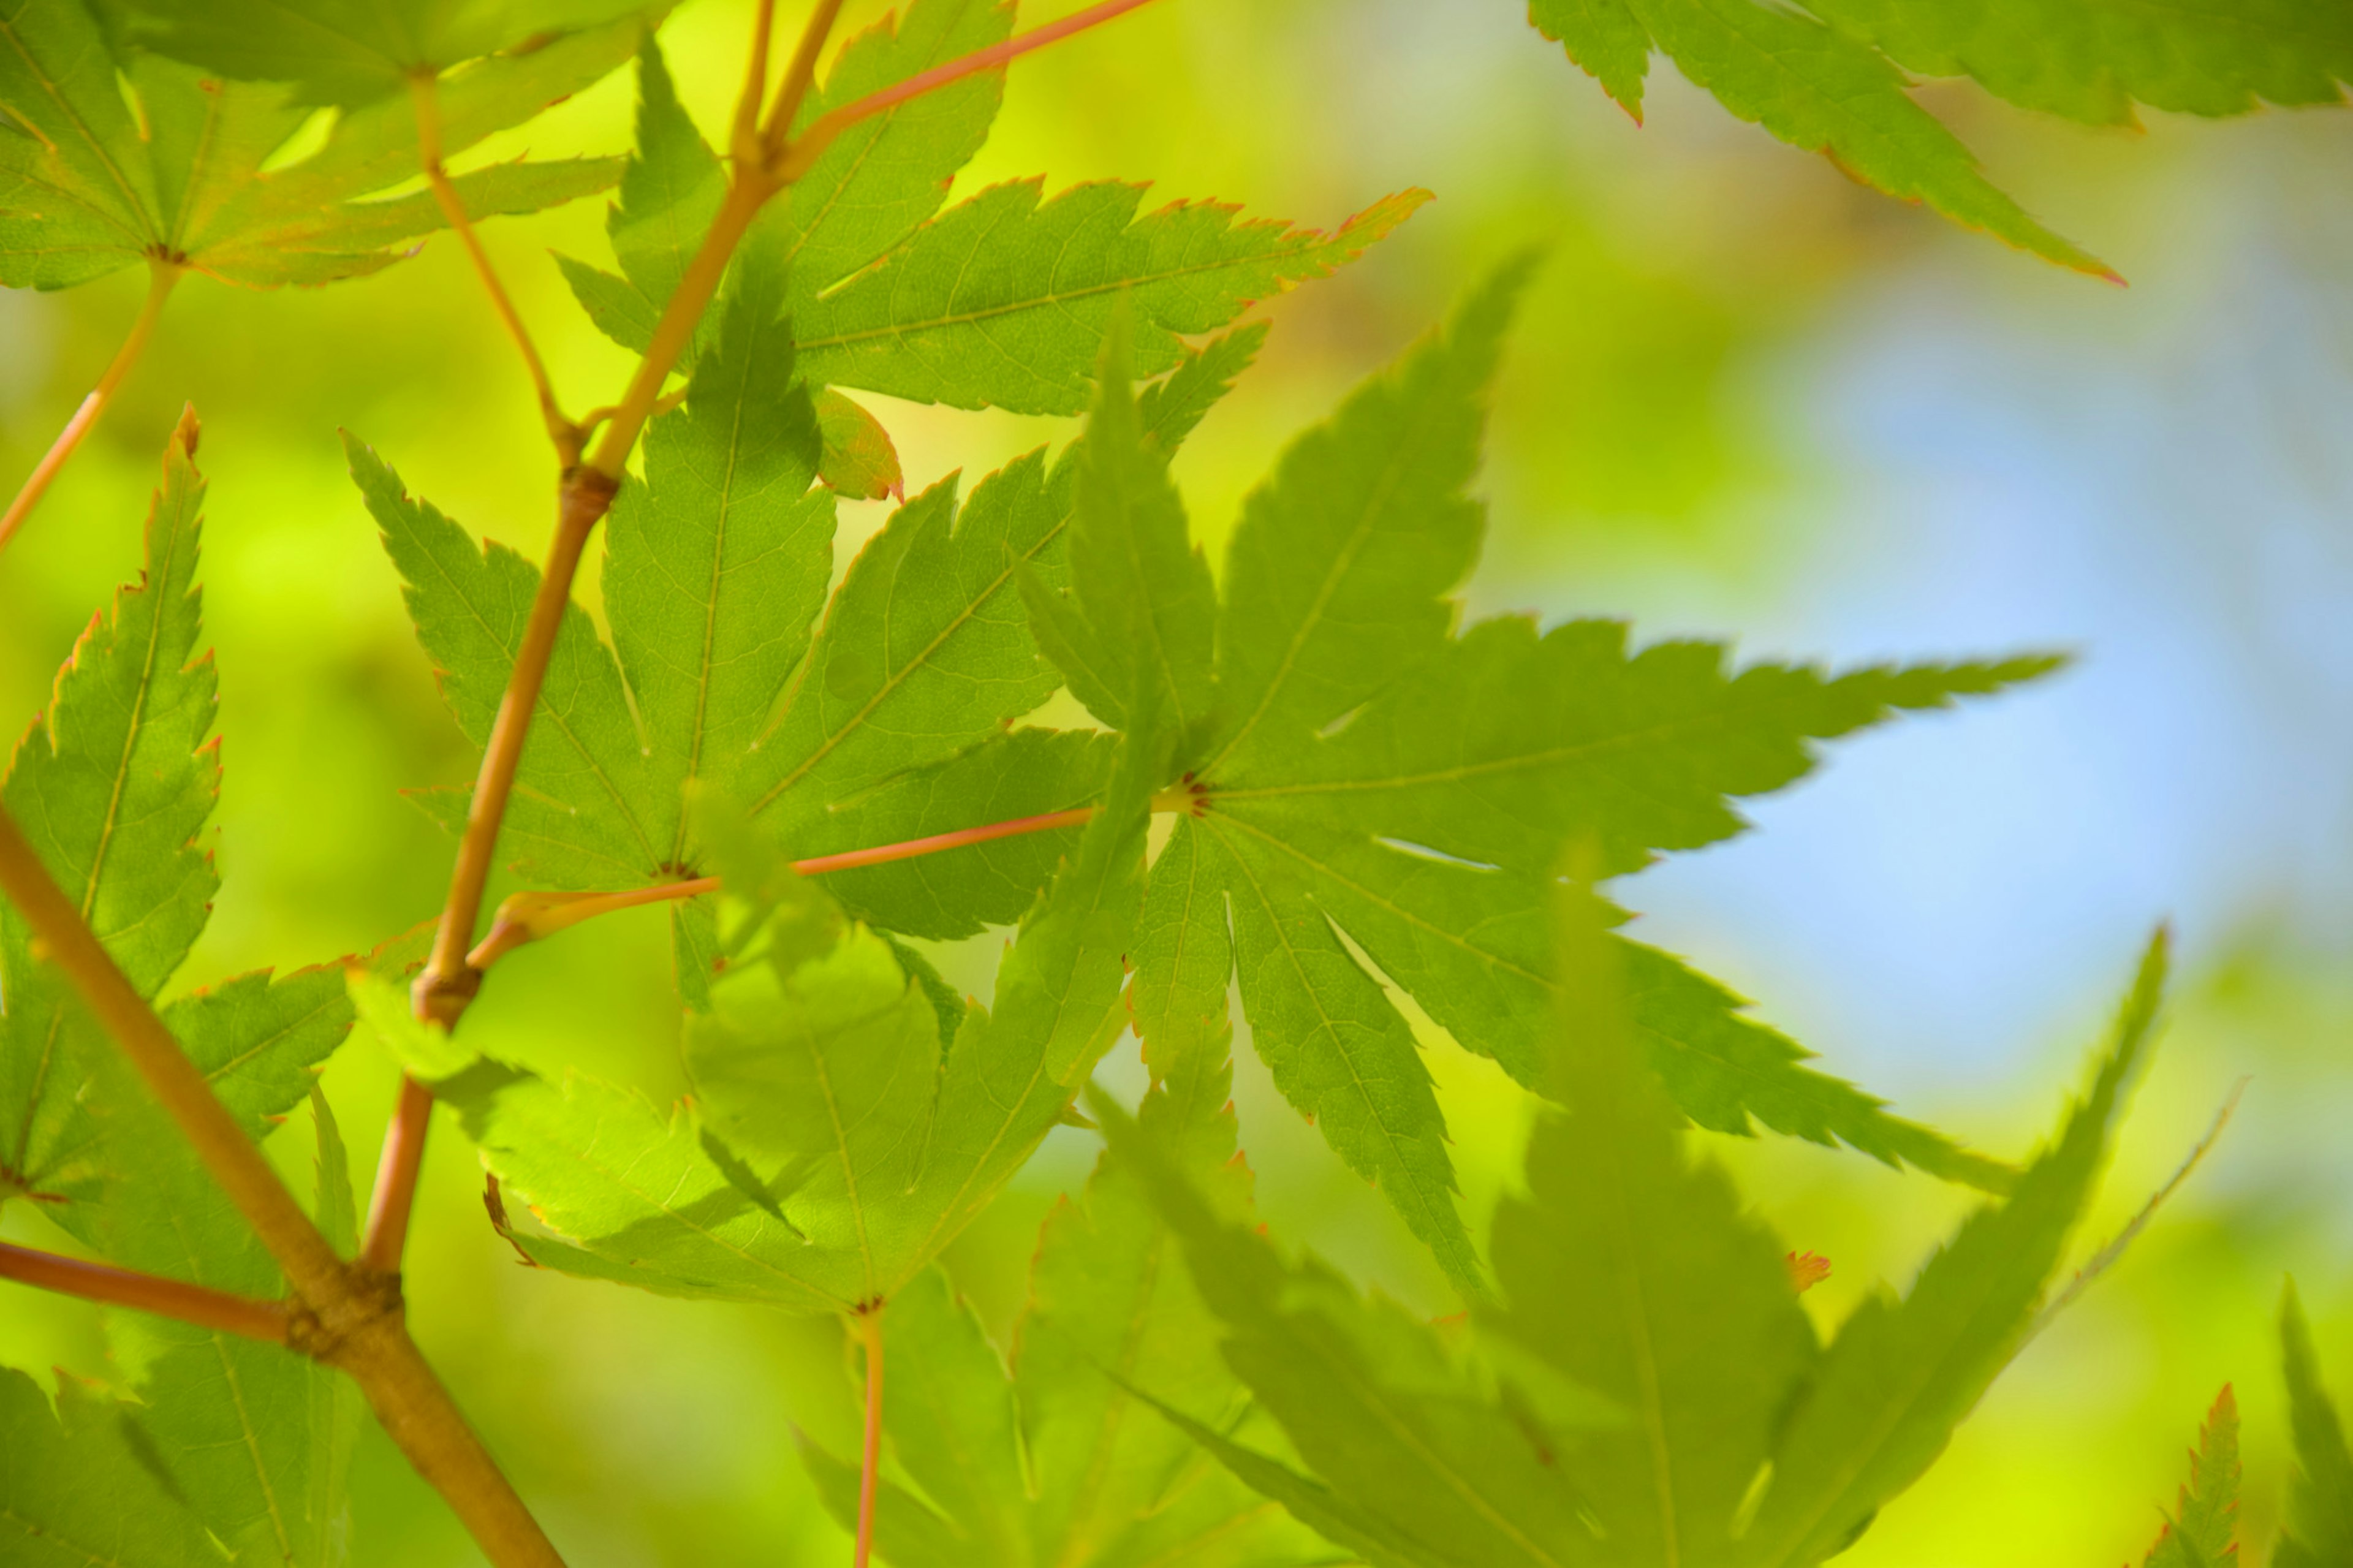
{"x":1747,"y":400}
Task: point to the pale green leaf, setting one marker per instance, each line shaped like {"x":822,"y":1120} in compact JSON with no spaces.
{"x":2319,"y":1527}
{"x":871,"y":1145}
{"x":1060,"y":1461}
{"x":2202,"y":1532}
{"x":1632,"y":1272}
{"x":112,"y":788}
{"x":1901,"y":1376}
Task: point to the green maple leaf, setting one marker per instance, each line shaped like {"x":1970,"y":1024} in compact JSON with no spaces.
{"x":2092,"y":61}
{"x":1646,"y":1367}
{"x":2319,"y":1528}
{"x":1829,"y":77}
{"x":352,"y":52}
{"x":1812,"y":84}
{"x":886,"y":721}
{"x":257,"y":1438}
{"x":174,"y":173}
{"x":78,"y":1488}
{"x":1000,"y":302}
{"x":1901,"y":1376}
{"x":838,"y":1141}
{"x":1054,"y":1461}
{"x":2200,"y":1533}
{"x":113,"y":790}
{"x":1357,"y":777}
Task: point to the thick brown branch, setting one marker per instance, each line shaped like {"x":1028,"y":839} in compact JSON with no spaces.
{"x":163,"y":274}
{"x":347,"y":1316}
{"x":264,"y":1320}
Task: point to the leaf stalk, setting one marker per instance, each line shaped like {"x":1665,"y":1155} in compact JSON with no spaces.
{"x":163,"y":274}
{"x":424,"y":93}
{"x":207,"y":1309}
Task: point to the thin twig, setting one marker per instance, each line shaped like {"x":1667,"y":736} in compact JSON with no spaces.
{"x":533,"y":917}
{"x":422,"y":86}
{"x":800,"y":78}
{"x":207,"y":1309}
{"x":870,"y":1332}
{"x":448,"y":982}
{"x":161,"y":275}
{"x":745,"y":144}
{"x":803,"y":150}
{"x":2100,"y":1262}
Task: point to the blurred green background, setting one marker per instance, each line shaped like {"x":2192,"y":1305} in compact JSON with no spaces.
{"x":1748,"y":399}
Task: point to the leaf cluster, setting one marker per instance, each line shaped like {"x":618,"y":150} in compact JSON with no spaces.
{"x":1643,"y":1387}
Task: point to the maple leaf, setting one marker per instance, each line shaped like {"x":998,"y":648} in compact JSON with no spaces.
{"x":1002,"y":301}
{"x":1053,"y":1461}
{"x":2093,"y":62}
{"x":113,"y":792}
{"x":330,"y":52}
{"x":1828,"y":78}
{"x":78,"y":1490}
{"x":1356,"y":777}
{"x":175,"y":171}
{"x":258,"y":1439}
{"x":2200,"y":1534}
{"x":838,"y":1140}
{"x":2319,"y":1528}
{"x":888,"y":721}
{"x":112,"y":788}
{"x":1646,"y":1366}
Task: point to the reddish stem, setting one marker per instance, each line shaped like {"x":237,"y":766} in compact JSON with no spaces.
{"x":398,"y":1169}
{"x":529,"y":916}
{"x":883,"y":854}
{"x":869,"y":1331}
{"x":263,"y":1321}
{"x":162,"y":275}
{"x":807,"y":148}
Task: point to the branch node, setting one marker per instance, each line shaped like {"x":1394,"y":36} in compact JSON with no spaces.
{"x":370,"y":1296}
{"x":441,"y":996}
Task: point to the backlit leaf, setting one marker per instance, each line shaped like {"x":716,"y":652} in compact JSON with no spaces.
{"x":89,"y":192}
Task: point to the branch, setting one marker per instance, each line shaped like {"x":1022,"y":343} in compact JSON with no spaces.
{"x":448,"y":984}
{"x":422,"y":87}
{"x":310,"y":1265}
{"x":345,"y":1317}
{"x":799,"y":78}
{"x":207,"y":1309}
{"x":802,"y":152}
{"x":161,"y":275}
